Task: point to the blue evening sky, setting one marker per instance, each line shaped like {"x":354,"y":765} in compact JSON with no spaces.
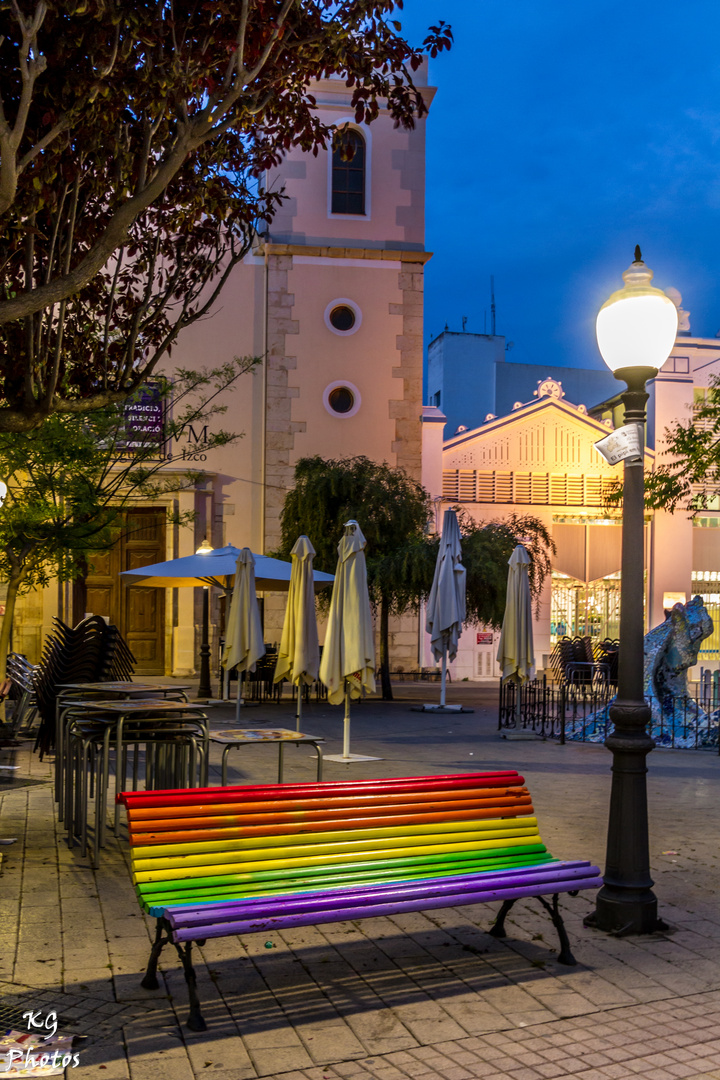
{"x":563,"y":133}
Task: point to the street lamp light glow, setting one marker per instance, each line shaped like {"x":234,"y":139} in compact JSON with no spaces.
{"x":205,"y":548}
{"x":637,"y":325}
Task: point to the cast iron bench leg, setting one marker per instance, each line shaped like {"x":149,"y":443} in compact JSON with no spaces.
{"x":498,"y":927}
{"x":150,"y":982}
{"x":565,"y":955}
{"x":195,"y":1020}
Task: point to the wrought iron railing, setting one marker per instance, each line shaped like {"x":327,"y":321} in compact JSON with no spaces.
{"x":572,"y":713}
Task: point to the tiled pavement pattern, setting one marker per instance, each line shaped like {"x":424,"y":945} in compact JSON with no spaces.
{"x":416,"y":996}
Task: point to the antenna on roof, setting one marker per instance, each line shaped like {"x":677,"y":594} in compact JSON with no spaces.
{"x":492,"y":305}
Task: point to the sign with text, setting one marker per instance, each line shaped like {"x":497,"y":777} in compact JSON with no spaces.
{"x":144,"y":416}
{"x":485,"y":637}
{"x":623,"y":444}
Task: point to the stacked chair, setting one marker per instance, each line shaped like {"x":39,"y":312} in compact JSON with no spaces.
{"x":607,"y":653}
{"x":576,"y":663}
{"x":175,"y":746}
{"x":92,"y":651}
{"x":22,"y":675}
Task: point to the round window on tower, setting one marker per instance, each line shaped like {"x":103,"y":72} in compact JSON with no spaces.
{"x":343,"y":317}
{"x":341,"y":399}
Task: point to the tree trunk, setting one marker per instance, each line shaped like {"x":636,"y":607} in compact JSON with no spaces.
{"x":14,"y":583}
{"x":387,"y":693}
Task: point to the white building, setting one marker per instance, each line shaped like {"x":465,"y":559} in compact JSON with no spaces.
{"x":539,"y":458}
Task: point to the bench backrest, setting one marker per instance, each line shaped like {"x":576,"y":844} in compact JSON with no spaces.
{"x":209,"y":844}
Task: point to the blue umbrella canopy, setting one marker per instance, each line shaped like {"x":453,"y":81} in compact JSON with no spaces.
{"x":218,"y":568}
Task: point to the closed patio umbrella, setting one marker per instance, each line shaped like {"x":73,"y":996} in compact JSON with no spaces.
{"x":299,"y":653}
{"x":348,"y":660}
{"x":446,"y":602}
{"x":217,"y":567}
{"x":516,"y":652}
{"x":244,"y":644}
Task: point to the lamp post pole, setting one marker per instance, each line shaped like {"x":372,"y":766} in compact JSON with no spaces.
{"x":204,"y":688}
{"x":626,"y":902}
{"x":636,"y":331}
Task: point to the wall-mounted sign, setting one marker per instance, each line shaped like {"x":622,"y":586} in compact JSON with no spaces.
{"x":485,"y":637}
{"x":144,"y":415}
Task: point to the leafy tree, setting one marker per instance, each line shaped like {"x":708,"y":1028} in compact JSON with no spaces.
{"x":70,"y":480}
{"x":486,"y":549}
{"x":690,"y":480}
{"x":394,"y":513}
{"x":132,"y":138}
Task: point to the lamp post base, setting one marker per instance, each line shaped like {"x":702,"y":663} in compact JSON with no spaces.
{"x":625,"y":914}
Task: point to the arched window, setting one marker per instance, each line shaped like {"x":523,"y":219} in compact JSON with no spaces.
{"x":348,"y":175}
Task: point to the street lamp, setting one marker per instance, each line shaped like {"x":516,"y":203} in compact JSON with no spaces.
{"x":636,"y":331}
{"x":205,"y":689}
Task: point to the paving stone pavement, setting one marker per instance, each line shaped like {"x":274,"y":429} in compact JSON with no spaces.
{"x":423,"y":995}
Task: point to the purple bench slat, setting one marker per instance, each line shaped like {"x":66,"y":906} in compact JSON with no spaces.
{"x":556,"y":877}
{"x":282,"y":922}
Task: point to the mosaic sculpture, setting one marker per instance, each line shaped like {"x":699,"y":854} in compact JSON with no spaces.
{"x":678,"y":719}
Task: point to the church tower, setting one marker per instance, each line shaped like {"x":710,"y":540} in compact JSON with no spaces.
{"x":344,"y":261}
{"x":331,"y":300}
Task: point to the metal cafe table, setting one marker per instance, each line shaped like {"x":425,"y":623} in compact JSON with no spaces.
{"x":139,"y":712}
{"x":262,"y":736}
{"x":71,"y":694}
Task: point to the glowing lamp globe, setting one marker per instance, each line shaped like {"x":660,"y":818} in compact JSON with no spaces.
{"x":637,"y":325}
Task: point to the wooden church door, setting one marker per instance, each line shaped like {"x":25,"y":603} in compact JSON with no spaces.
{"x":138,"y":613}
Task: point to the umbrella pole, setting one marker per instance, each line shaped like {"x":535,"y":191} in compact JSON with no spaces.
{"x":346,"y":725}
{"x":443,"y":677}
{"x":298,"y":712}
{"x":238,"y":701}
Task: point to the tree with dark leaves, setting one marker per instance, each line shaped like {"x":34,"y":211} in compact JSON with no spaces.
{"x":395,"y":513}
{"x":134,"y":135}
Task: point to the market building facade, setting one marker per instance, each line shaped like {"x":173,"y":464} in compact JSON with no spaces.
{"x":540,"y":459}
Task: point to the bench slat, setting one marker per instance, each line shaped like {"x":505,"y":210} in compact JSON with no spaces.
{"x":345,"y":789}
{"x":331,"y":841}
{"x":339,"y":913}
{"x":336,"y":802}
{"x":302,"y":878}
{"x":240,"y":865}
{"x":556,"y":873}
{"x":155,"y":902}
{"x":171,"y":829}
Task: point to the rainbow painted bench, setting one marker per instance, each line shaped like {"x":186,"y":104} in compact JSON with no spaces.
{"x":211,"y":862}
